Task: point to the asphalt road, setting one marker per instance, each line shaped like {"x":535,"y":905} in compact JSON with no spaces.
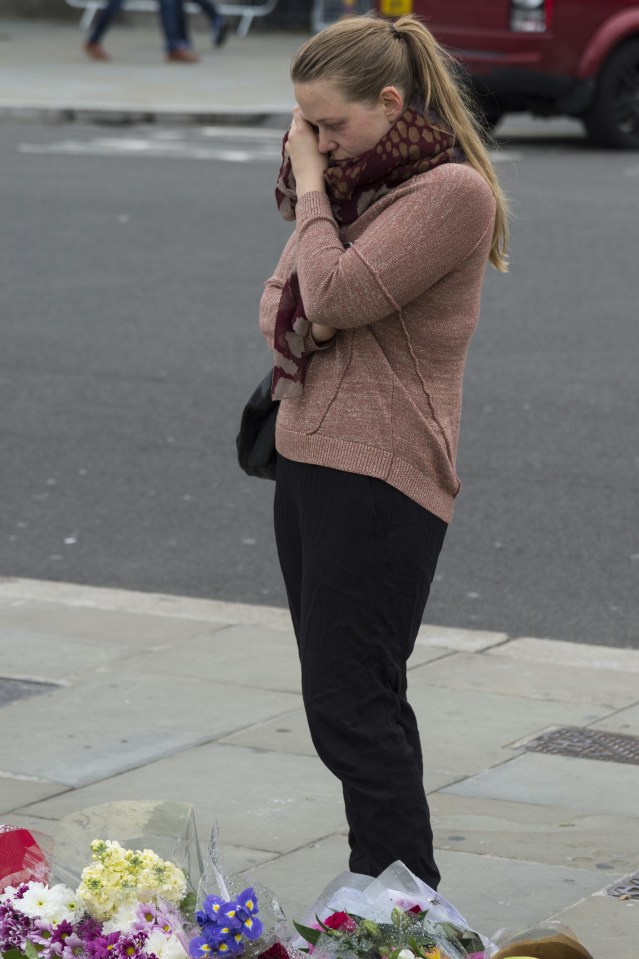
{"x":131,"y":264}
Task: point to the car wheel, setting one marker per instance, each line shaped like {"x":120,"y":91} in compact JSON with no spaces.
{"x":613,"y":119}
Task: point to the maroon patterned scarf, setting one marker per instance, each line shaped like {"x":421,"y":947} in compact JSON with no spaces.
{"x":413,"y":145}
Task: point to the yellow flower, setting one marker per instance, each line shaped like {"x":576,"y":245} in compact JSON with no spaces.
{"x":118,"y":875}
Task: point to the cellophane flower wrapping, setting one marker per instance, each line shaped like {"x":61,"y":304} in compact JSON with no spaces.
{"x":396,"y":916}
{"x":552,"y":940}
{"x":121,"y":885}
{"x":236,"y":916}
{"x":25,"y":856}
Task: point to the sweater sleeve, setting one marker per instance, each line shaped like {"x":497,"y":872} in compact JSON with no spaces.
{"x":270,"y":300}
{"x":273,"y":291}
{"x":428,"y":231}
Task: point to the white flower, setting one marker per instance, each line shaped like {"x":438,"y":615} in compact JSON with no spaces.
{"x":53,"y":904}
{"x":33,"y":901}
{"x":9,"y":893}
{"x":123,"y":918}
{"x":405,"y":954}
{"x":63,"y":904}
{"x":165,"y":947}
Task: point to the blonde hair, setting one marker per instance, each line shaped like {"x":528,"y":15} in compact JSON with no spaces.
{"x":362,"y":55}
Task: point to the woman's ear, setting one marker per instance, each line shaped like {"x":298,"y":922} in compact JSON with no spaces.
{"x":392,"y":103}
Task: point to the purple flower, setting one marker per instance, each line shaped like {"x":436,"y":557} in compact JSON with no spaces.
{"x":199,"y":948}
{"x":246,"y":911}
{"x":212,"y":906}
{"x":230,"y":945}
{"x":146,"y":917}
{"x":89,"y":929}
{"x":52,"y":940}
{"x":73,"y":947}
{"x":101,"y":946}
{"x":14,"y":925}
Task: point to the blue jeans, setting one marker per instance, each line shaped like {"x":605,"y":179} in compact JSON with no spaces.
{"x":172,"y":19}
{"x":210,"y":10}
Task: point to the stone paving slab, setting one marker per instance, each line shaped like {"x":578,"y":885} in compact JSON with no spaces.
{"x":467,"y":640}
{"x":15,"y":793}
{"x":560,"y":781}
{"x":467,"y":731}
{"x":71,"y":596}
{"x":625,"y":721}
{"x":247,"y":656}
{"x":547,"y":834}
{"x":494,"y":893}
{"x":289,"y":734}
{"x":444,"y":721}
{"x":53,"y":659}
{"x":534,"y":680}
{"x":28,"y":822}
{"x":559,"y":653}
{"x":242,"y":655}
{"x":608,"y":927}
{"x":123,"y":719}
{"x":300,"y":876}
{"x":102,"y":627}
{"x":261,"y":800}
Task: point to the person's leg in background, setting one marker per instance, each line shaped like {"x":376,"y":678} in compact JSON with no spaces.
{"x":93,"y":44}
{"x":219,"y":28}
{"x":358,"y":559}
{"x":175,"y":28}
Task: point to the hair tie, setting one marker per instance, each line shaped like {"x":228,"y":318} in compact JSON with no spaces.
{"x":395,"y":31}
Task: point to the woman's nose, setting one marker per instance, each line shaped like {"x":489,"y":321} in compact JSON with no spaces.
{"x":326,"y":144}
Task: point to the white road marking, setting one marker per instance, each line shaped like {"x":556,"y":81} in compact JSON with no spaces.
{"x":103,"y":146}
{"x":245,"y":144}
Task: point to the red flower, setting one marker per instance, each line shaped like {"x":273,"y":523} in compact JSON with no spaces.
{"x":341,"y":920}
{"x":276,"y":951}
{"x":415,"y":909}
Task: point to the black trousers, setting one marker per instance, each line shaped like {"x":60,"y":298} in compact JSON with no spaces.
{"x":358,"y":558}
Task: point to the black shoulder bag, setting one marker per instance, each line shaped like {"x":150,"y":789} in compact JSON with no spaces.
{"x":255,"y":442}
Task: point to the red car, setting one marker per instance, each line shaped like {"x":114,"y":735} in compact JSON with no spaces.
{"x":577,"y":58}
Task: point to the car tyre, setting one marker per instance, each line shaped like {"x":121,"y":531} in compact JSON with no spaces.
{"x":613,"y":118}
{"x":488,"y":111}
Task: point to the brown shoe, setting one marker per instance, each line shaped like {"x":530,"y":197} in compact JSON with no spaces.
{"x":95,"y":51}
{"x":182,"y":55}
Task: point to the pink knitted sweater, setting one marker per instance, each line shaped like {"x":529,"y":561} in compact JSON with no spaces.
{"x":384,"y":397}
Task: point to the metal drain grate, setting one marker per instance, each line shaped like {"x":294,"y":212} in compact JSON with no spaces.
{"x":587,"y":744}
{"x":12,"y":689}
{"x":628,"y":888}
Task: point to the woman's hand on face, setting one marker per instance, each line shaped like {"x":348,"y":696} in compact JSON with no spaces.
{"x":303,"y":152}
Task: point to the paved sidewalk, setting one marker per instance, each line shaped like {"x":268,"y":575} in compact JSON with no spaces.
{"x":162,"y":697}
{"x":44,"y":72}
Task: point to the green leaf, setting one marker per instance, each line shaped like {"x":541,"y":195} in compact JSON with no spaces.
{"x":30,"y":951}
{"x":188,"y":905}
{"x":311,"y":935}
{"x":12,"y":954}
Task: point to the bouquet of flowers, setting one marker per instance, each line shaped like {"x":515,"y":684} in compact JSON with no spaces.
{"x":235,"y":919}
{"x":396,"y":916}
{"x":124,"y":903}
{"x":143,"y":895}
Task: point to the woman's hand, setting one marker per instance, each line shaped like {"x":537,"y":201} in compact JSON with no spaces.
{"x":303,"y":152}
{"x":322,"y":333}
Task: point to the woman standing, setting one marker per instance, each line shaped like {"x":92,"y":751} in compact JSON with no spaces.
{"x":369,"y":314}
